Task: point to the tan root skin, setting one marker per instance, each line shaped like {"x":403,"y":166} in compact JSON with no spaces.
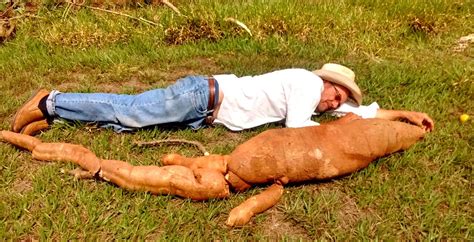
{"x":321,"y":152}
{"x":215,"y":162}
{"x":242,"y":214}
{"x":275,"y":157}
{"x":197,"y":184}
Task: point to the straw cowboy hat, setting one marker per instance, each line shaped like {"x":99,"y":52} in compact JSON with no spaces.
{"x":343,"y":76}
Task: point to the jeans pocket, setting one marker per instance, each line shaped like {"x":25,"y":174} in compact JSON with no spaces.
{"x":200,"y":101}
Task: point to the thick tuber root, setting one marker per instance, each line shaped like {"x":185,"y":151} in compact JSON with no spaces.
{"x":236,"y":182}
{"x":280,"y":155}
{"x":68,"y":152}
{"x":319,"y":152}
{"x":312,"y":153}
{"x":242,"y":214}
{"x":54,"y":151}
{"x":215,"y":162}
{"x":20,"y":140}
{"x":198,"y":184}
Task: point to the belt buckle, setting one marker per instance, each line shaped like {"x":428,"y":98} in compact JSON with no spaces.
{"x":209,"y":120}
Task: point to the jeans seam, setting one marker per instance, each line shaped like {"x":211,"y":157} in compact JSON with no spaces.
{"x":193,"y":91}
{"x":51,"y":102}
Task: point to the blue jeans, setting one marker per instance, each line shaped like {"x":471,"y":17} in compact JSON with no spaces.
{"x":183,"y":103}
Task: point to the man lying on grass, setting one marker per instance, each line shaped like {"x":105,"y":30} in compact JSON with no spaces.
{"x":289,"y":95}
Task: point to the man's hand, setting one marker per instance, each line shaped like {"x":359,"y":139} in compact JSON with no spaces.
{"x":420,"y":119}
{"x":416,"y":118}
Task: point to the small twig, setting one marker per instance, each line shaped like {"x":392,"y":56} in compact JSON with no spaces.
{"x":173,"y":141}
{"x":170,"y":5}
{"x":240,"y":24}
{"x":21,"y":16}
{"x":66,"y":10}
{"x":118,"y":13}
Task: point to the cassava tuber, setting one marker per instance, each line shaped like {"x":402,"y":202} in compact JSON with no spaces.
{"x":197,"y":184}
{"x":277,"y":157}
{"x":319,"y":152}
{"x":242,"y":214}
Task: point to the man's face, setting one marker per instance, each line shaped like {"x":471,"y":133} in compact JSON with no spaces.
{"x":332,"y":97}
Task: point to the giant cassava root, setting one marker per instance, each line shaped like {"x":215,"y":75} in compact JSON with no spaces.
{"x":197,"y":184}
{"x":277,"y":157}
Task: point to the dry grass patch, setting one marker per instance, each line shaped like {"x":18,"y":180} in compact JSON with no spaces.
{"x":96,"y":3}
{"x":196,"y":29}
{"x":422,"y":25}
{"x":349,"y":212}
{"x":277,"y":227}
{"x":275,"y":26}
{"x":25,"y":175}
{"x":83,"y":38}
{"x":7,"y":25}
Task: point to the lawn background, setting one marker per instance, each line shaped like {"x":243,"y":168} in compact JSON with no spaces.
{"x":406,"y":55}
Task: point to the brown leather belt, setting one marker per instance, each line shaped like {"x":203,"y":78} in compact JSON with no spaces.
{"x":212,"y":100}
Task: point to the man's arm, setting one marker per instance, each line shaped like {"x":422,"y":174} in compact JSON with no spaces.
{"x":345,"y":119}
{"x":363,"y":111}
{"x":416,"y":118}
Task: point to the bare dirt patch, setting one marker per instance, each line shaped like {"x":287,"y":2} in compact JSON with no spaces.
{"x":22,"y":186}
{"x":276,"y":227}
{"x":25,"y":174}
{"x":349,"y":213}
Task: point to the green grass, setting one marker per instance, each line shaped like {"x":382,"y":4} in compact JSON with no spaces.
{"x":402,"y":52}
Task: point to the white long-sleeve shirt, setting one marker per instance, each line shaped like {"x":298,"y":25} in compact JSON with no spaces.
{"x":290,"y":94}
